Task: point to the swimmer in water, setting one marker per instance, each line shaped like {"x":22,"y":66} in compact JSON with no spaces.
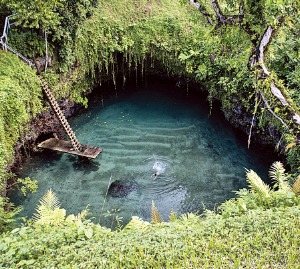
{"x":159,"y":167}
{"x":156,"y":174}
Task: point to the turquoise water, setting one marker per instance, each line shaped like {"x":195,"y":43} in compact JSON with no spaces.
{"x":201,"y":160}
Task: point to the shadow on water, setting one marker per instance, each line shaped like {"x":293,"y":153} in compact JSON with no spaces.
{"x":52,"y":156}
{"x":158,"y":144}
{"x":84,"y":164}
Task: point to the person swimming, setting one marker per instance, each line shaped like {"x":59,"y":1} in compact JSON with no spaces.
{"x":159,"y":167}
{"x":156,"y":174}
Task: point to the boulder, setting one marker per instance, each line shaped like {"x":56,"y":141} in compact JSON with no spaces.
{"x":121,"y":188}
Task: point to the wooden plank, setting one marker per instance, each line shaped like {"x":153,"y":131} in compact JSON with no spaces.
{"x":66,"y":146}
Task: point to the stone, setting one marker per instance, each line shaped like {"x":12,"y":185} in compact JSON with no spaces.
{"x":121,"y":188}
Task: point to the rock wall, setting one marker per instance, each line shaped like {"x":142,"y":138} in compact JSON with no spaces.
{"x":43,"y":126}
{"x":241,"y":119}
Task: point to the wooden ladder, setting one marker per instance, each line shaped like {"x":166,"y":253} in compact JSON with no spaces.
{"x":61,"y":117}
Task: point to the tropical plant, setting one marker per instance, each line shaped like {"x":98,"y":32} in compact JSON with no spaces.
{"x":173,"y":216}
{"x":280,"y":179}
{"x":261,"y":195}
{"x":48,"y":210}
{"x":296,"y":186}
{"x":155,"y":216}
{"x":260,"y":189}
{"x":260,"y":239}
{"x":35,"y":13}
{"x":114,"y":219}
{"x":8,"y":214}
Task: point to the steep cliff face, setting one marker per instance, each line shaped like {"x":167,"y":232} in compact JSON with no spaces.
{"x":43,"y":126}
{"x":242,"y":120}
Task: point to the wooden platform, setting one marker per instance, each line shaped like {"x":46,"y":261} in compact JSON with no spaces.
{"x":66,"y":146}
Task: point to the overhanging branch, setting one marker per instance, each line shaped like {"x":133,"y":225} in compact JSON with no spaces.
{"x":257,"y":61}
{"x":203,"y":11}
{"x":271,"y":111}
{"x":220,"y":18}
{"x":227,"y":19}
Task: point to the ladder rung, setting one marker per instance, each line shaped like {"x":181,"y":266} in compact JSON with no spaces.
{"x":60,"y":115}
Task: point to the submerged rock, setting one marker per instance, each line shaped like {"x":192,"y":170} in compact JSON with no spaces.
{"x":121,"y":188}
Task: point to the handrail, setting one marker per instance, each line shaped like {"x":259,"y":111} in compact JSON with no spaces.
{"x":7,"y":25}
{"x":77,"y":147}
{"x":3,"y":41}
{"x":31,"y":64}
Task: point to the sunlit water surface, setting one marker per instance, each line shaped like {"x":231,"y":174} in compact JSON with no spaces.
{"x":199,"y":161}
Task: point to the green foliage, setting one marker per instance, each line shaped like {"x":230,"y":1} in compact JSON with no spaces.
{"x":155,"y":216}
{"x":59,"y":18}
{"x":28,"y":43}
{"x":8,"y":215}
{"x":259,"y":228}
{"x":3,"y":162}
{"x":115,"y":220}
{"x":20,"y":100}
{"x":48,"y":211}
{"x":145,"y":36}
{"x":35,"y":13}
{"x":27,"y":184}
{"x":264,"y":238}
{"x":72,"y":14}
{"x":293,"y":158}
{"x":284,"y":56}
{"x":261,"y":196}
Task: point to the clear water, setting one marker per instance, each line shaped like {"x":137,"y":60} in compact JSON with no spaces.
{"x":200,"y":159}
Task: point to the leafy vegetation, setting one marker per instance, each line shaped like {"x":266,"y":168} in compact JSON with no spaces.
{"x":95,"y":41}
{"x":20,"y":100}
{"x":258,"y":237}
{"x":111,"y":39}
{"x":261,"y":196}
{"x":8,"y":214}
{"x":155,"y":216}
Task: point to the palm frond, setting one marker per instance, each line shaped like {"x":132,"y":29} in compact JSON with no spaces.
{"x":257,"y":185}
{"x":277,"y":174}
{"x":155,"y":216}
{"x":296,"y":186}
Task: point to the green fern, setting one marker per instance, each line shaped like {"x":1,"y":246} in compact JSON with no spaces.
{"x":257,"y":185}
{"x":50,"y":200}
{"x":296,"y":186}
{"x":48,"y":211}
{"x":277,"y":174}
{"x":155,"y":216}
{"x":173,"y":216}
{"x":136,"y":223}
